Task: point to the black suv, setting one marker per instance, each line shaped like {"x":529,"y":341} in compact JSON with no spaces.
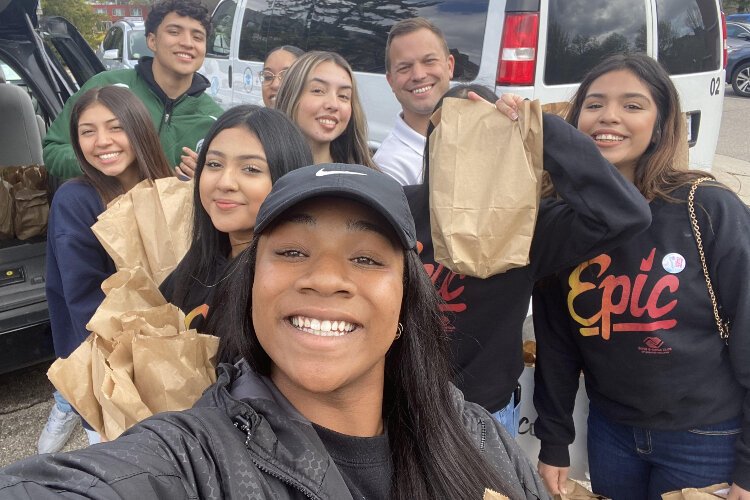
{"x":48,"y":59}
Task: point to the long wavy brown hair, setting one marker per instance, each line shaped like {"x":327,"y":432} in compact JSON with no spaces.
{"x":351,"y":145}
{"x":657,"y":174}
{"x":135,"y":120}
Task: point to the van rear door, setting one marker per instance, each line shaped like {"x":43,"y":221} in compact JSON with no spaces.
{"x":684,"y":35}
{"x":689,"y":45}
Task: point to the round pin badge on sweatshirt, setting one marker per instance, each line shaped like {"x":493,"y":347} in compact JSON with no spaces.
{"x":673,"y":263}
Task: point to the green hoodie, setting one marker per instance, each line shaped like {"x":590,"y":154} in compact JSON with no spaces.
{"x":180,"y":122}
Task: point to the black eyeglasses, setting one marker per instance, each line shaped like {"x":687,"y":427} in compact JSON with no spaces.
{"x":267,"y":77}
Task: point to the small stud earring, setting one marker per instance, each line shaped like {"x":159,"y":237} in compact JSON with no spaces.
{"x":399,"y":331}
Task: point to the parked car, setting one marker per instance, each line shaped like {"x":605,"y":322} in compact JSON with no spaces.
{"x":738,"y":30}
{"x":738,"y":66}
{"x":742,"y":18}
{"x":537,"y":48}
{"x":45,"y":60}
{"x":124,"y":44}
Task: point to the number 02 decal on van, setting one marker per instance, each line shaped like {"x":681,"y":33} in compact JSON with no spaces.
{"x":715,"y":87}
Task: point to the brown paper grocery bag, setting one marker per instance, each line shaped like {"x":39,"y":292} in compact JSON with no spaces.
{"x":148,"y":227}
{"x":126,"y":290}
{"x":31,"y":212}
{"x":121,"y":404}
{"x":485,"y":184}
{"x":576,"y":491}
{"x":707,"y":493}
{"x":153,"y":230}
{"x":172,"y":372}
{"x":176,"y":198}
{"x":117,"y":231}
{"x":160,"y":321}
{"x":7,"y":208}
{"x":72,"y":376}
{"x":30,"y":200}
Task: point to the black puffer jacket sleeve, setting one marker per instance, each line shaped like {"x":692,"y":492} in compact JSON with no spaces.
{"x":137,"y":466}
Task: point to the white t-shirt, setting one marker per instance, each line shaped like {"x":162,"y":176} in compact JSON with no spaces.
{"x":401,"y":154}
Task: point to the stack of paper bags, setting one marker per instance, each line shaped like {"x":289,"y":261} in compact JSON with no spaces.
{"x":149,"y":226}
{"x":138,"y":361}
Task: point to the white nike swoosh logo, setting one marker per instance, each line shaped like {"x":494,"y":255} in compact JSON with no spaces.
{"x":322,"y":172}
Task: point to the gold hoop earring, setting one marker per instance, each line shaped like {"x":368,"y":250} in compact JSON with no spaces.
{"x":399,"y":331}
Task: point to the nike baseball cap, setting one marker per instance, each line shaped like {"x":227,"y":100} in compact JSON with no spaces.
{"x":375,"y":189}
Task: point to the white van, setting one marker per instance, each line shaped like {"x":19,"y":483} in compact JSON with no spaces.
{"x":537,"y":48}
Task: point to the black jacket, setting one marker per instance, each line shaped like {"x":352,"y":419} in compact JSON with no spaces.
{"x":639,"y":321}
{"x":242,"y":439}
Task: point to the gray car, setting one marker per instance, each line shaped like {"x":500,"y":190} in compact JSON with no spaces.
{"x":124,"y":44}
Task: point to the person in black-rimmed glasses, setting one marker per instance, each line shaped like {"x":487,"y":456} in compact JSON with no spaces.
{"x":277,"y":62}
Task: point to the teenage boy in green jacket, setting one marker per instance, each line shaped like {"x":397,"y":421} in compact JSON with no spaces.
{"x":176,"y":32}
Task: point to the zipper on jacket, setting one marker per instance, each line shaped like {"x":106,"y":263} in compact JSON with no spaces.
{"x":245,"y":424}
{"x":169,"y":107}
{"x":284,"y":478}
{"x":483,"y":435}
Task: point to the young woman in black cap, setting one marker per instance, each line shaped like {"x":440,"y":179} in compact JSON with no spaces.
{"x":343,"y":390}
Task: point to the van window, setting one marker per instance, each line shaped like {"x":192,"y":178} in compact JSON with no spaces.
{"x":221,"y":32}
{"x":358,"y":29}
{"x":582,"y":33}
{"x":688,"y":32}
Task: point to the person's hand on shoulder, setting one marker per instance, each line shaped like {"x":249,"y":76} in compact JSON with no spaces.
{"x":186,"y":169}
{"x":554,"y":478}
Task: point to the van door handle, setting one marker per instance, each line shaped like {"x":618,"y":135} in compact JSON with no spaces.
{"x":230,"y":76}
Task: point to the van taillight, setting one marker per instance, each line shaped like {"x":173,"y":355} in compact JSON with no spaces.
{"x":724,"y":39}
{"x":517,"y":61}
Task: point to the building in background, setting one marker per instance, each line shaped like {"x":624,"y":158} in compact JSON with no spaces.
{"x":117,"y":11}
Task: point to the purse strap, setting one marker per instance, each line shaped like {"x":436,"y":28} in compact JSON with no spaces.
{"x":723,"y":328}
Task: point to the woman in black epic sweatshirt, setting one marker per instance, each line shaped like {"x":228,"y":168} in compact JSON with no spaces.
{"x":669,"y":403}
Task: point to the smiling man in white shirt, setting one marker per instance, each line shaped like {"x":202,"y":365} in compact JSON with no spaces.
{"x":419,"y":69}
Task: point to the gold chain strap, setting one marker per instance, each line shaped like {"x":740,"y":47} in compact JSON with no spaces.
{"x":723,"y":327}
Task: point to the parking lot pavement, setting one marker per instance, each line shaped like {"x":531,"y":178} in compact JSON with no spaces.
{"x":734,"y":173}
{"x":25,"y":402}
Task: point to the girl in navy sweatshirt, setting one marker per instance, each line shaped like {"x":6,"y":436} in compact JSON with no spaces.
{"x":669,"y":401}
{"x":117,"y":146}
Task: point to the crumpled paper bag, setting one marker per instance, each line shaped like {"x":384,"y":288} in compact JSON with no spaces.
{"x":7,"y":209}
{"x":24,"y":202}
{"x":149,"y":226}
{"x":139,"y":359}
{"x":576,"y":491}
{"x":485,"y":185}
{"x":707,"y":493}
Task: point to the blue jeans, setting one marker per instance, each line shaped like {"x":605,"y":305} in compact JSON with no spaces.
{"x":508,"y":417}
{"x":62,"y":403}
{"x":633,"y":463}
